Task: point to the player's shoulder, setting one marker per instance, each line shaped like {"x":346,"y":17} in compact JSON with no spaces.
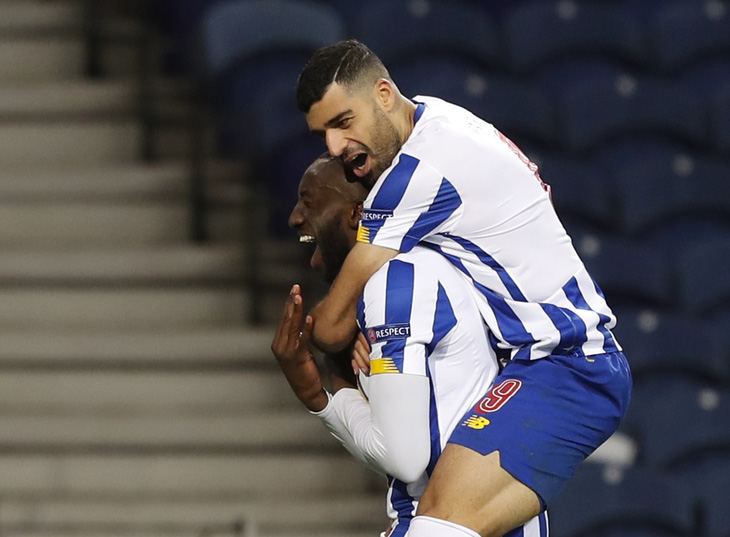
{"x":420,"y":266}
{"x":446,"y":128}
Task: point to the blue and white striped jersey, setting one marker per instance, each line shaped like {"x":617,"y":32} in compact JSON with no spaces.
{"x":421,"y":318}
{"x":458,"y":186}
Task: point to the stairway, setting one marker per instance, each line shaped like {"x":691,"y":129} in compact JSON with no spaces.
{"x":134,"y":398}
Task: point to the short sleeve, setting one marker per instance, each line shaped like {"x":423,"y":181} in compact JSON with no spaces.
{"x":398,"y":323}
{"x":411,"y":203}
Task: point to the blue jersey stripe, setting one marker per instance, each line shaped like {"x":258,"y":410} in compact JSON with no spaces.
{"x":447,"y":200}
{"x":544,"y":525}
{"x":361,"y":314}
{"x":573,"y":332}
{"x":485,"y":258}
{"x":573,"y":292}
{"x":434,"y":424}
{"x":403,"y":504}
{"x":398,"y":303}
{"x":443,"y":321}
{"x":512,"y":330}
{"x":391,"y":192}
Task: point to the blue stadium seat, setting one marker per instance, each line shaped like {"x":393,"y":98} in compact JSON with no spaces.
{"x":240,"y":29}
{"x":660,"y":192}
{"x":629,"y":273}
{"x":179,"y":22}
{"x":683,"y":32}
{"x":707,"y":78}
{"x":254,"y":51}
{"x":544,"y":32}
{"x":603,"y":110}
{"x":514,"y":107}
{"x":713,"y":496}
{"x":401,"y":30}
{"x":606,"y":501}
{"x":580,"y":191}
{"x":657,"y":345}
{"x":678,"y":422}
{"x":703,"y":273}
{"x":721,"y":122}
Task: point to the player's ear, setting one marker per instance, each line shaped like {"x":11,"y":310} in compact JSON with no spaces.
{"x":385,"y":93}
{"x":356,"y":216}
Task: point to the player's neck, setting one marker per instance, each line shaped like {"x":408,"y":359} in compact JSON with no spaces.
{"x":408,"y":113}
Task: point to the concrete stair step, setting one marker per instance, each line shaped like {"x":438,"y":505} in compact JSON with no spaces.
{"x":62,"y":144}
{"x":354,"y":510}
{"x":93,"y":183}
{"x":37,"y":16}
{"x":114,"y":348}
{"x":263,"y":474}
{"x":81,"y":224}
{"x":145,"y":393}
{"x":166,"y":265}
{"x":263,"y":431}
{"x":50,"y":58}
{"x":72,"y":98}
{"x":121,"y":308}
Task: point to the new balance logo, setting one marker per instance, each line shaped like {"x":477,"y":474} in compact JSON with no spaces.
{"x":476,"y":422}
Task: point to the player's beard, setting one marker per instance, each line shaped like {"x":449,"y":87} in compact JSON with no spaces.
{"x":385,"y":145}
{"x":334,"y":245}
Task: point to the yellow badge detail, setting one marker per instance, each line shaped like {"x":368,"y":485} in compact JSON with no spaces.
{"x":476,"y":422}
{"x":383,"y":365}
{"x":363,"y":234}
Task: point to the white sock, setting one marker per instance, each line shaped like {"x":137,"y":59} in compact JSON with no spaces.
{"x":425,"y":526}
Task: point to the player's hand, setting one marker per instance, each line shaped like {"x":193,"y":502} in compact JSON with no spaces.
{"x":361,"y":355}
{"x":291,"y":349}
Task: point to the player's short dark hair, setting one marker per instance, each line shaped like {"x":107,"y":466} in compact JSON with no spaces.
{"x":347,"y":62}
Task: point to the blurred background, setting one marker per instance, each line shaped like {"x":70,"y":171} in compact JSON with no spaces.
{"x":150,"y":152}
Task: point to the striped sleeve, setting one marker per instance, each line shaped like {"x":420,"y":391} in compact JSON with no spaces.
{"x":399,"y":323}
{"x":411,"y":203}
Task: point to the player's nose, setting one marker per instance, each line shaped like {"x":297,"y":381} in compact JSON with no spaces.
{"x":296,"y":218}
{"x":336,"y":142}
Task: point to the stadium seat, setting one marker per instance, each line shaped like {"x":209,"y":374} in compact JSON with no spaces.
{"x":253,"y":49}
{"x":707,"y":78}
{"x":610,"y":501}
{"x":543,"y":32}
{"x":683,"y":32}
{"x":629,"y":273}
{"x":657,"y":345}
{"x":703,"y":273}
{"x":677,"y":422}
{"x":721,"y":122}
{"x":179,"y":22}
{"x":401,"y":30}
{"x":713,"y":497}
{"x":605,"y":109}
{"x":579,"y":191}
{"x":514,"y":107}
{"x":659,"y":192}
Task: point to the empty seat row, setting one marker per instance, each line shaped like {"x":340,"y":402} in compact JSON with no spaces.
{"x":663,"y":36}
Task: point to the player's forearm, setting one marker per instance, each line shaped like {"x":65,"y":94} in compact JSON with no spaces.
{"x":391,"y":434}
{"x":336,"y":324}
{"x":336,"y":315}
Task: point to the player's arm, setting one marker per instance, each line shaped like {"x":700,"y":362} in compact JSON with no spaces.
{"x":391,"y":432}
{"x":335,"y":315}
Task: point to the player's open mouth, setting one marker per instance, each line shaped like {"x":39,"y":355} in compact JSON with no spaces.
{"x":309,"y":239}
{"x":360,"y":164}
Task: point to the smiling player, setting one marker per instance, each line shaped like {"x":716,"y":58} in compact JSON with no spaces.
{"x":431,"y":359}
